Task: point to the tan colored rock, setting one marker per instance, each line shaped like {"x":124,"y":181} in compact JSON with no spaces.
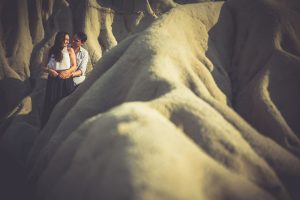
{"x":182,"y":76}
{"x":197,"y":103}
{"x":134,"y":152}
{"x":27,"y":31}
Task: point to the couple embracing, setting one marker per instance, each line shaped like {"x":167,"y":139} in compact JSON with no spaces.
{"x":66,"y":66}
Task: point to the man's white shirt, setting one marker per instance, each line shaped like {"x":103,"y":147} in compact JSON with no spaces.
{"x":82,"y":58}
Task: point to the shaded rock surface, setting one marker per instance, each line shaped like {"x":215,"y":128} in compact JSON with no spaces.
{"x":196,"y":101}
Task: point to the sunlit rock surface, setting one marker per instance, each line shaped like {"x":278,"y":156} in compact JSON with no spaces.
{"x":195,"y":101}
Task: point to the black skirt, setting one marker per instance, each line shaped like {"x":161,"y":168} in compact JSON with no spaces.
{"x":56,"y":90}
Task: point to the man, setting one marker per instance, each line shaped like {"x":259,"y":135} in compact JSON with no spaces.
{"x":82,"y":57}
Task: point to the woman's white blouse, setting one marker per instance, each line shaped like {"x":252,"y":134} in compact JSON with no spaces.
{"x":64,"y":64}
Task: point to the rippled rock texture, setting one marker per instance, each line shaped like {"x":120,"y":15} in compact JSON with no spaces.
{"x":193,"y":101}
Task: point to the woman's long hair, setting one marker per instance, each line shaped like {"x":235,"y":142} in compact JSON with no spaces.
{"x":58,"y":46}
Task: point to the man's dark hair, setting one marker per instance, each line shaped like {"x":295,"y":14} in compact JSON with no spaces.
{"x":82,"y":36}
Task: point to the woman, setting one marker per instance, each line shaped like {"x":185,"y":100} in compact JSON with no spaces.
{"x":61,"y":65}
